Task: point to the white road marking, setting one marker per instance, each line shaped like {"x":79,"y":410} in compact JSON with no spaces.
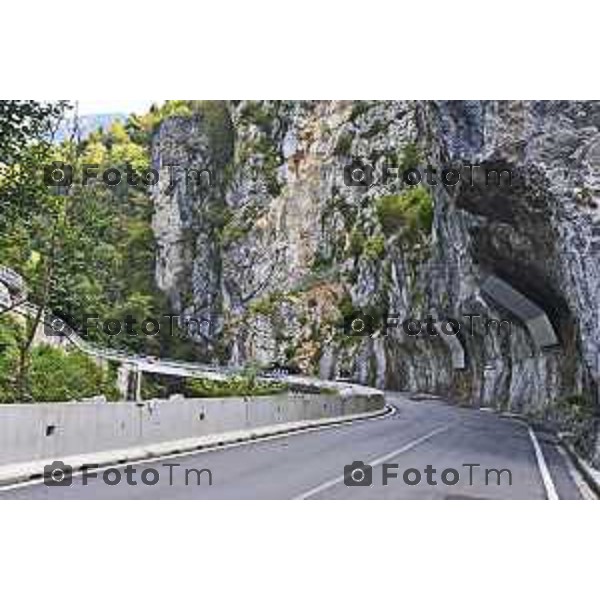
{"x":267,"y":438}
{"x":582,"y":486}
{"x":373,"y":463}
{"x":543,"y":467}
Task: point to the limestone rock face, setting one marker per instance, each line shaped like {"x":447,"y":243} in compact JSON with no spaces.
{"x":541,"y":235}
{"x":279,"y":251}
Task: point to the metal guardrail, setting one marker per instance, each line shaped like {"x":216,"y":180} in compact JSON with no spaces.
{"x":153,"y":365}
{"x":16,"y":284}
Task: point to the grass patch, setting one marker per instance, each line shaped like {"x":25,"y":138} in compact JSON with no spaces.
{"x":578,"y":414}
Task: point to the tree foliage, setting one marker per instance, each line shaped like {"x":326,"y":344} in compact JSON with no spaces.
{"x":88,"y":249}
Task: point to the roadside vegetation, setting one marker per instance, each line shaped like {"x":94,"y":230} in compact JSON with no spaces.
{"x":82,"y":249}
{"x":245,"y":383}
{"x":53,"y":375}
{"x":577,"y":415}
{"x":241,"y":385}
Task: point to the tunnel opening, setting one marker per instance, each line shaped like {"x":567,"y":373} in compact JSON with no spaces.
{"x":513,"y":238}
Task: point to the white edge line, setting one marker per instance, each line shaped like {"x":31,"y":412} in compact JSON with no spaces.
{"x":153,"y":459}
{"x":582,"y":486}
{"x":373,"y":463}
{"x":543,"y":467}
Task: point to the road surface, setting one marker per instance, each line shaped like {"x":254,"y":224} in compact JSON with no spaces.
{"x":415,"y":439}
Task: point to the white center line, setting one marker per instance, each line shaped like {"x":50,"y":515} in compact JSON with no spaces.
{"x":541,"y":461}
{"x":377,"y":461}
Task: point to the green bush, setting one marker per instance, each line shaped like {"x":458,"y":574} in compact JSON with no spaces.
{"x":576,"y":406}
{"x":410,"y":157}
{"x":357,"y":242}
{"x":58,"y":376}
{"x":346,"y":308}
{"x":54,"y":375}
{"x":268,"y":304}
{"x":374,"y":248}
{"x":410,"y":211}
{"x":321,"y":262}
{"x":578,"y":414}
{"x":266,"y":148}
{"x":239,"y":385}
{"x":237,"y":224}
{"x":9,"y":334}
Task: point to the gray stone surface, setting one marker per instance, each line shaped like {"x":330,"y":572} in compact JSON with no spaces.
{"x":274,"y":277}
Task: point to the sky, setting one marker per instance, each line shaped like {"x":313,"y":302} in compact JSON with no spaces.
{"x":91,"y":107}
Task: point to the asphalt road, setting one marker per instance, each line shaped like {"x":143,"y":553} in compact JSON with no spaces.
{"x":416,"y":439}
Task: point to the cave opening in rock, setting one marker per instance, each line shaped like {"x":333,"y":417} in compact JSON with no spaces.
{"x":513,"y":238}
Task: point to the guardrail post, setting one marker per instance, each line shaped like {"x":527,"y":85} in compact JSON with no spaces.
{"x":137,"y":374}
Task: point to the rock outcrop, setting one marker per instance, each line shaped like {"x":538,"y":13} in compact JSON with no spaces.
{"x":279,"y":254}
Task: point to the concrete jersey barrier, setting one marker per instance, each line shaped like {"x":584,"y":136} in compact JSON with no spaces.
{"x":30,"y":432}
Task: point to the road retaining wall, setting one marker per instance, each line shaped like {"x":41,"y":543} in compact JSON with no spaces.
{"x":30,"y":432}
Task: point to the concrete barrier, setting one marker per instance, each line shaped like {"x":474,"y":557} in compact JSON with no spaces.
{"x":33,"y":432}
{"x":535,"y":319}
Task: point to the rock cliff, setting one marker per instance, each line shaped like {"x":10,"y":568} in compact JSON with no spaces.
{"x":279,"y":254}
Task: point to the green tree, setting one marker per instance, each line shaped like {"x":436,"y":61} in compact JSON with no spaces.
{"x":30,"y":212}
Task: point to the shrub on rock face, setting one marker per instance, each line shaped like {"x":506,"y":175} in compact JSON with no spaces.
{"x":356,"y":242}
{"x":410,"y":212}
{"x":410,"y":158}
{"x":375,"y":247}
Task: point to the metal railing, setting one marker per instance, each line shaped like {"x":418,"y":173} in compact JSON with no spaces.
{"x":19,"y":305}
{"x":155,"y":365}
